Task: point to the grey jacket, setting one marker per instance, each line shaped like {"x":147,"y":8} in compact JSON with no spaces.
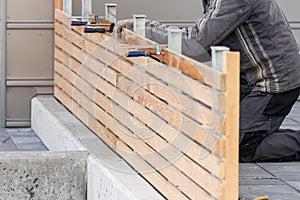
{"x":270,"y":61}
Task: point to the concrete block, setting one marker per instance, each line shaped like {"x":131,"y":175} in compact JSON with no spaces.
{"x":49,"y":128}
{"x":44,"y":175}
{"x":109,"y":176}
{"x":102,"y":184}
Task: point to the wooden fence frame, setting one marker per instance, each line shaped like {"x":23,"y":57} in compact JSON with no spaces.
{"x":81,"y":60}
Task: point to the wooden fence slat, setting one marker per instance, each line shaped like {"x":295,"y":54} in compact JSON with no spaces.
{"x":232,"y":63}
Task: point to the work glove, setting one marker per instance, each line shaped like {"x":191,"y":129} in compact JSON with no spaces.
{"x":125,"y":23}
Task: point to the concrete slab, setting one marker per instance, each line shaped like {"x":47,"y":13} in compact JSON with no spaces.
{"x":109,"y":176}
{"x":44,"y":175}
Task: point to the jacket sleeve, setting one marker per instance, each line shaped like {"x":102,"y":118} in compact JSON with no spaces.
{"x":221,"y":19}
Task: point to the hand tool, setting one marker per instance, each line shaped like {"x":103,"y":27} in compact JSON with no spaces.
{"x":96,"y":22}
{"x":100,"y":30}
{"x":84,"y":23}
{"x":138,"y":52}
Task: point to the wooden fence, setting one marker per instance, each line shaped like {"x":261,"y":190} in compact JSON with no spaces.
{"x":173,"y":119}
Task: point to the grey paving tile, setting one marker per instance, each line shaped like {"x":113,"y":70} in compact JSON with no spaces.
{"x":8,"y":146}
{"x":260,"y":180}
{"x":37,"y":146}
{"x":20,"y":132}
{"x":252,"y":174}
{"x":287,"y":171}
{"x":295,"y":185}
{"x":25,"y":139}
{"x":4,"y":138}
{"x":252,"y":170}
{"x":274,"y":192}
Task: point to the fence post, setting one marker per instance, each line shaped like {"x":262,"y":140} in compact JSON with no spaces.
{"x":111,"y":12}
{"x":86,"y":8}
{"x":217,"y":57}
{"x":139,"y":22}
{"x":58,"y":4}
{"x":175,"y":40}
{"x":67,"y":7}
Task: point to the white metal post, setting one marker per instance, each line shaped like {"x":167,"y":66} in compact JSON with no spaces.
{"x":139,"y":22}
{"x":2,"y":62}
{"x":111,"y":12}
{"x":175,"y":40}
{"x":67,"y":7}
{"x":86,"y":8}
{"x":217,"y":57}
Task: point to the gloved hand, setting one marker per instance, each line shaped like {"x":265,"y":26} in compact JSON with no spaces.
{"x":125,"y":23}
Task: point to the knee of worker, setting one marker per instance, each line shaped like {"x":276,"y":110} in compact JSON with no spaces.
{"x":283,"y":145}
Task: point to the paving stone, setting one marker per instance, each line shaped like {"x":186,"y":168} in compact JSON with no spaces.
{"x":25,"y":139}
{"x":294,"y":184}
{"x":22,"y":139}
{"x":8,"y":146}
{"x":287,"y":171}
{"x":253,"y":174}
{"x":252,"y":170}
{"x":274,"y":192}
{"x":20,"y":132}
{"x":36,"y":146}
{"x":4,"y":138}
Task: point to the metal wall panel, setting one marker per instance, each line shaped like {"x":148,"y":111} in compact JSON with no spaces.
{"x":155,"y":9}
{"x":29,"y":53}
{"x":291,"y":9}
{"x":30,"y":11}
{"x":2,"y":61}
{"x":29,"y":56}
{"x":18,"y":100}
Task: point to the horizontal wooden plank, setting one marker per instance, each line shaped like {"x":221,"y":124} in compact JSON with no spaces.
{"x":173,"y":174}
{"x":93,"y":64}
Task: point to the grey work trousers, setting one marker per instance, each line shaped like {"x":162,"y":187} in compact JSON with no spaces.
{"x":261,"y":116}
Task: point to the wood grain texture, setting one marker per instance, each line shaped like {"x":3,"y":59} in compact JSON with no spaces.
{"x":177,"y":128}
